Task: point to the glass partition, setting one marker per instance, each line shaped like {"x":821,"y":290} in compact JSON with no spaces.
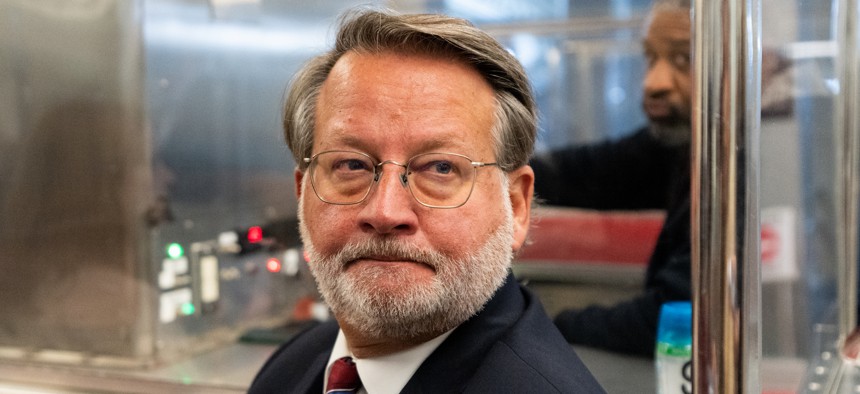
{"x":809,"y":187}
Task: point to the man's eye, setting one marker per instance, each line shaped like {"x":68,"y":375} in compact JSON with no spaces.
{"x":442,"y":167}
{"x":351,"y":165}
{"x":650,"y":58}
{"x":435,"y":168}
{"x":681,"y":61}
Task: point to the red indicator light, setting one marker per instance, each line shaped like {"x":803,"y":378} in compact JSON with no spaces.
{"x":255,"y":234}
{"x":273,"y":265}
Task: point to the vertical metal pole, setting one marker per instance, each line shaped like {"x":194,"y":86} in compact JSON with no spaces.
{"x":848,"y":163}
{"x":725,"y":217}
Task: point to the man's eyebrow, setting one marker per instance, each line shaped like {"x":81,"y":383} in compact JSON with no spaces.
{"x":436,"y":144}
{"x":671,"y":42}
{"x":679,"y":43}
{"x":341,"y":138}
{"x":349,"y":141}
{"x":673,"y":47}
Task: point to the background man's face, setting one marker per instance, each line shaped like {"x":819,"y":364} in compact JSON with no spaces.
{"x":668,"y":81}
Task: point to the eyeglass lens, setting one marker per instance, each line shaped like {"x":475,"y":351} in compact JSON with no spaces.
{"x":434,"y":179}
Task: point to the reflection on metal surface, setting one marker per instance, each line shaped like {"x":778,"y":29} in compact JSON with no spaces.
{"x":73,"y":180}
{"x":826,"y":368}
{"x":122,"y":153}
{"x":847,"y":163}
{"x":725,"y":196}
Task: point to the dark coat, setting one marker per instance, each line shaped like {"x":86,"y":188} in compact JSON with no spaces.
{"x":511,"y":346}
{"x":633,"y":173}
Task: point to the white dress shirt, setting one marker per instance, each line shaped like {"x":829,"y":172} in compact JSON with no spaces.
{"x":386,"y":374}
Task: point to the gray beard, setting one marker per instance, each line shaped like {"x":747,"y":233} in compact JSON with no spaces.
{"x":672,"y":134}
{"x":458,"y":291}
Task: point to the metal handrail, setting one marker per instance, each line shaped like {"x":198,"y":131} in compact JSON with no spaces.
{"x":725,"y":217}
{"x":848,"y":163}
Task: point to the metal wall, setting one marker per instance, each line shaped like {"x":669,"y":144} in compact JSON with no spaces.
{"x":122,"y":133}
{"x":75,"y":176}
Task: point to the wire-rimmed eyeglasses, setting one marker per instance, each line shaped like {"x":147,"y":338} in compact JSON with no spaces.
{"x":435,"y":180}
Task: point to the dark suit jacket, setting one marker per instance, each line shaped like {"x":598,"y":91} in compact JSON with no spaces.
{"x":632,"y":173}
{"x":511,"y":346}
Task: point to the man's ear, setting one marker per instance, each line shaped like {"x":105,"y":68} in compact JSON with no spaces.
{"x":299,"y":175}
{"x":520,"y":189}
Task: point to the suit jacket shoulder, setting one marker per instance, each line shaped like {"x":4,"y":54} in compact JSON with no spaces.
{"x":298,"y":365}
{"x":509,"y":346}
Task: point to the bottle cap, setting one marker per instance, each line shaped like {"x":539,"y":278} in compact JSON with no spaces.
{"x":676,"y":324}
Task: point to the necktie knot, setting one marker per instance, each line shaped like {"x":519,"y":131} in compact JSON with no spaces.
{"x":343,"y":377}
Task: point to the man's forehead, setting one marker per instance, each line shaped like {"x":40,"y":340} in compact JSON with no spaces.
{"x":416,"y":102}
{"x":421,"y":141}
{"x":653,"y":43}
{"x":669,"y":27}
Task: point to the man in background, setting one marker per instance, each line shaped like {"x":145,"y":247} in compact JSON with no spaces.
{"x":412,"y":138}
{"x":649,"y":169}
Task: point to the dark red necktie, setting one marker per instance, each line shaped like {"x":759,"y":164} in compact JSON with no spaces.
{"x":343,"y":377}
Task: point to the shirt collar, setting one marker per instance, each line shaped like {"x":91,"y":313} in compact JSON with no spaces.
{"x":386,"y":374}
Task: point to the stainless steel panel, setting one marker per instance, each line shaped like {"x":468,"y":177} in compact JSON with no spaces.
{"x":75,"y":177}
{"x":122,"y":133}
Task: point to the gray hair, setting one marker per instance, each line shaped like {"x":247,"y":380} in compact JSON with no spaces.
{"x":374,"y":31}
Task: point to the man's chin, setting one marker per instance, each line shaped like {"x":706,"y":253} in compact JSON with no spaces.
{"x":675,"y":132}
{"x":391,"y":268}
{"x":392,"y":281}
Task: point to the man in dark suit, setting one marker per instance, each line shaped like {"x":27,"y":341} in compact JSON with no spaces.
{"x":412,"y":138}
{"x":649,"y":169}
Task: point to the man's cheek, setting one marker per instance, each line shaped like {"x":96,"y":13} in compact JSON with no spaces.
{"x":458,"y":240}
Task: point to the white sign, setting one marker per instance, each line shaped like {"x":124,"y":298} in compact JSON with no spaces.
{"x":778,"y":240}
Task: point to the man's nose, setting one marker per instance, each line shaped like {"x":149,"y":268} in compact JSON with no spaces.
{"x":390,"y":208}
{"x":659,"y":79}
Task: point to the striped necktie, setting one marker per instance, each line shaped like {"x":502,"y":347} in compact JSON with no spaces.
{"x":343,"y":377}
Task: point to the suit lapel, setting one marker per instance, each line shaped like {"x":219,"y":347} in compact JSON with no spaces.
{"x":454,"y":362}
{"x":312,"y":380}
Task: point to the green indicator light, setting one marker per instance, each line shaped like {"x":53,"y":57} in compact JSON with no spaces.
{"x":174,"y":251}
{"x":187,"y":309}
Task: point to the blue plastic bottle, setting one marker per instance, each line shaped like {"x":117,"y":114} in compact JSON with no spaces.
{"x":674,"y":351}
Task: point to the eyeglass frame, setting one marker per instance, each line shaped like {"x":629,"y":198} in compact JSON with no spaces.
{"x":377,"y":175}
